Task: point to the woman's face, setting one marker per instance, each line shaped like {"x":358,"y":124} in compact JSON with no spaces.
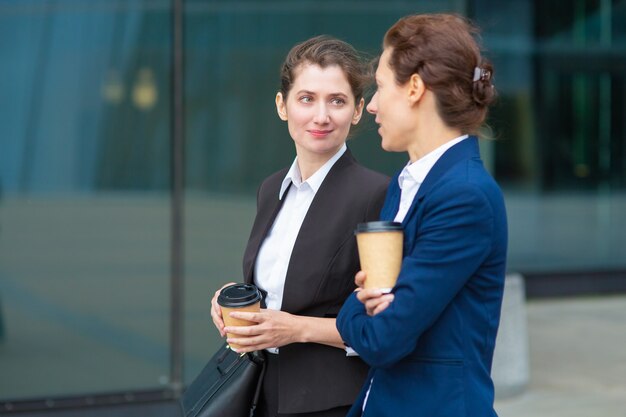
{"x":391,"y":106}
{"x":319,"y":110}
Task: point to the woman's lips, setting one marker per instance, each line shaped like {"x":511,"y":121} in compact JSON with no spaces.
{"x":320,"y":133}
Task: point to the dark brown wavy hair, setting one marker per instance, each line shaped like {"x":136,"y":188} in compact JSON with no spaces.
{"x":443,"y":50}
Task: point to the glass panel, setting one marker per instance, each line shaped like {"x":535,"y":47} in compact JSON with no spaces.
{"x":84,"y":161}
{"x":561,"y":137}
{"x":84,"y":205}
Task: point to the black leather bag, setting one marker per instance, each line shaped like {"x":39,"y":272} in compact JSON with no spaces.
{"x":228,"y":386}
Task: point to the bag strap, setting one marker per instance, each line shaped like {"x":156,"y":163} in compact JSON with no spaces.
{"x":257,"y":392}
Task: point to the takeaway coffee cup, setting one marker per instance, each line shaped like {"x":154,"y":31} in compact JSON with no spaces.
{"x":380,"y":253}
{"x":238,"y":297}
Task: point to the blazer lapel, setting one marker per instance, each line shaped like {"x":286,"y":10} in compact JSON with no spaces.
{"x":316,"y":241}
{"x":465,"y":149}
{"x":392,"y":200}
{"x":264,"y":221}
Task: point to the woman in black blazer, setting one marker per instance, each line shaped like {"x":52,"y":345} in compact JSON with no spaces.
{"x":302,"y":251}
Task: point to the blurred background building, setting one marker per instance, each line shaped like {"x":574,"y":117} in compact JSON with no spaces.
{"x":101,"y":243}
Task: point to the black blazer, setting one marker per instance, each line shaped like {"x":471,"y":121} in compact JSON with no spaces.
{"x":320,"y":277}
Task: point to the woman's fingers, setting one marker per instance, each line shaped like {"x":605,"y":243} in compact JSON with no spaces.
{"x":365,"y":295}
{"x":243,"y":330}
{"x":380,"y":307}
{"x":371,"y":298}
{"x":248,"y":338}
{"x":248,"y":316}
{"x":268,"y":328}
{"x":374,"y":299}
{"x":216,"y":311}
{"x":247,"y":344}
{"x":216,"y":315}
{"x":254,"y":318}
{"x":359,"y":279}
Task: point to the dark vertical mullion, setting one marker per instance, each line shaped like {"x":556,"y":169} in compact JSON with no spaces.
{"x":177,"y":175}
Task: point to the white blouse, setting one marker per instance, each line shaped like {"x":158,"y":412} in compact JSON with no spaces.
{"x":270,"y":269}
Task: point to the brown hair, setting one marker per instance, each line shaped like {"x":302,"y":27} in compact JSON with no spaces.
{"x":442,"y":49}
{"x":325,"y":51}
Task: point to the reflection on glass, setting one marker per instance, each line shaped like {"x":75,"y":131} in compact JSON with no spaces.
{"x":145,"y":91}
{"x":84,"y":201}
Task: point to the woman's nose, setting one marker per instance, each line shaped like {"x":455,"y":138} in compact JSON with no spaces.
{"x":322,"y":116}
{"x":371,"y":106}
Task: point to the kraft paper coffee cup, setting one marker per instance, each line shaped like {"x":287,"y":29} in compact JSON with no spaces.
{"x":380,"y":253}
{"x":238,"y":297}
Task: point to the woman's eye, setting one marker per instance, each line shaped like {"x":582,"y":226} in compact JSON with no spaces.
{"x":338,"y":101}
{"x":306,"y":99}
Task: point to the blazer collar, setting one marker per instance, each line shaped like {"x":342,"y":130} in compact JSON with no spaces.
{"x":318,"y":205}
{"x":315,"y":181}
{"x":466,"y":149}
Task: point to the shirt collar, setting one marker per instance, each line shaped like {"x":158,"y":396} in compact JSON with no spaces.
{"x":417,"y":171}
{"x":314,"y":181}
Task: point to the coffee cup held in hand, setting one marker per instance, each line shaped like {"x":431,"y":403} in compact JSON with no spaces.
{"x":238,"y":297}
{"x":380,"y":253}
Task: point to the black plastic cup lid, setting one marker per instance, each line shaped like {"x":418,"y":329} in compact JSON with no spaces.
{"x":378,"y":227}
{"x":239,"y":295}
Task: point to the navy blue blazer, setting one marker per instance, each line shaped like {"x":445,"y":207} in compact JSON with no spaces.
{"x":431,"y":350}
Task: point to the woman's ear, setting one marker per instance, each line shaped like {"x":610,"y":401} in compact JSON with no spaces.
{"x":358,"y":111}
{"x":416,"y":89}
{"x":281,"y":108}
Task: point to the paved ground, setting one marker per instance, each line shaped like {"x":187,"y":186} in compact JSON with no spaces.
{"x":577,"y":360}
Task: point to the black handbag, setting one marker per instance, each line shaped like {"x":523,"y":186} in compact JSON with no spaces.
{"x":228,"y":386}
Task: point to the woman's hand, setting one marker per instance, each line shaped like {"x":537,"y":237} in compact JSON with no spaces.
{"x":374,"y":299}
{"x":216,"y":311}
{"x":273,"y":328}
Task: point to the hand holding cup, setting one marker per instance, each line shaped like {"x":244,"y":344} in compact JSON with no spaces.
{"x":374,"y":299}
{"x":216,"y":311}
{"x":238,"y":297}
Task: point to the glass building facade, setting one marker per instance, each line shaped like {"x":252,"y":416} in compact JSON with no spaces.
{"x":89,"y":225}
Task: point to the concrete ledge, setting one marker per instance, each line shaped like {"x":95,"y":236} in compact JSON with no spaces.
{"x":510,"y":371}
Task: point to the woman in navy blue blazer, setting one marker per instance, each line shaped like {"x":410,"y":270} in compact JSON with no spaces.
{"x":430,"y":341}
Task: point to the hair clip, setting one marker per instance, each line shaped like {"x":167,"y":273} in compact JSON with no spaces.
{"x":481,"y":74}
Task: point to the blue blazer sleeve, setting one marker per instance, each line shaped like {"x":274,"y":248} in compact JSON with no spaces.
{"x":455,"y":235}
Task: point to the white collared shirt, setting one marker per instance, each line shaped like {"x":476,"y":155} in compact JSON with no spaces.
{"x":271,"y":265}
{"x":413,"y":175}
